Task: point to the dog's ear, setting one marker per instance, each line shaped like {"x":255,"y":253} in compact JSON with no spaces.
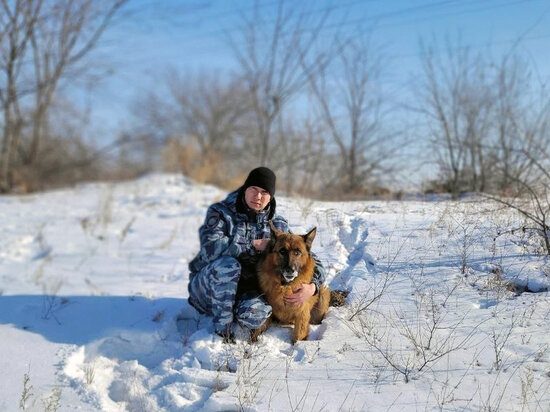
{"x":308,"y":238}
{"x":274,"y":233}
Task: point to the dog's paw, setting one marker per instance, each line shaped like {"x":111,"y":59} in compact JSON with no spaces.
{"x":253,"y":337}
{"x":226,"y":335}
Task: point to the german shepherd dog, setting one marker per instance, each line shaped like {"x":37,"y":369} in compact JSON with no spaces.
{"x":283,"y":267}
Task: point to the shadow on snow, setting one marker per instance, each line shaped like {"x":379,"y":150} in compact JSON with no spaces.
{"x":80,"y":320}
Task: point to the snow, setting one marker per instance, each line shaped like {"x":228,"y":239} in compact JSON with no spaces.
{"x":448,"y":310}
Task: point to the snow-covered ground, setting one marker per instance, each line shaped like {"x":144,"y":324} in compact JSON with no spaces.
{"x":93,"y":278}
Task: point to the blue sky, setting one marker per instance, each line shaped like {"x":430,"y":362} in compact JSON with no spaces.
{"x":152,"y":36}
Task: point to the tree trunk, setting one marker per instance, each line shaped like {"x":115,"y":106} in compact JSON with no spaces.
{"x":5,"y":155}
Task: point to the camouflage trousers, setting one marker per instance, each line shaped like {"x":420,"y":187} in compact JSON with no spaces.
{"x":213,"y":291}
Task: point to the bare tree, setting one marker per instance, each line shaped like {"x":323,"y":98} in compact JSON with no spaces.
{"x":512,"y":134}
{"x":351,"y":107}
{"x":210,"y":111}
{"x":491,"y":135}
{"x":481,"y":118}
{"x":55,"y":37}
{"x":199,"y":120}
{"x":300,"y":152}
{"x":62,"y":36}
{"x":457,"y":100}
{"x":275,"y":74}
{"x":476,"y":101}
{"x":529,"y":189}
{"x":17,"y":20}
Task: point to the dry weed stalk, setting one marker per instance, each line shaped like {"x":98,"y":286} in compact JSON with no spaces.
{"x":499,"y":341}
{"x":27,"y":393}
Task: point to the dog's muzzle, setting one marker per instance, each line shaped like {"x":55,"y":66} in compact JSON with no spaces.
{"x":290,"y":275}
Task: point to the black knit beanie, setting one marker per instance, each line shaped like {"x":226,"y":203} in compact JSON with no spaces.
{"x":261,"y":177}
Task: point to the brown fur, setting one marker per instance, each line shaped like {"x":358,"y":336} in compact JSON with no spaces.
{"x":290,"y":251}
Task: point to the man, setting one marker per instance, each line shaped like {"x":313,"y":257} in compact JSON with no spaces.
{"x":222,"y":278}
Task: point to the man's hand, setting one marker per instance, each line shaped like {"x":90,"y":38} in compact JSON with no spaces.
{"x":300,"y":295}
{"x":261,"y":244}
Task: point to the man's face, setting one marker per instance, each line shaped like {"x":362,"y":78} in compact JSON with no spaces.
{"x":256,"y":198}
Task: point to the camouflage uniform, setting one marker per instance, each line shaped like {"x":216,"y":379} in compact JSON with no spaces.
{"x":222,"y":280}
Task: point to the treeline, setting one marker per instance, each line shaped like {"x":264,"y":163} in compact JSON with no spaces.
{"x":302,"y":97}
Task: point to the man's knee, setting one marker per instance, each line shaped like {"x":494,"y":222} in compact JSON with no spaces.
{"x":223,"y":272}
{"x":226,"y":268}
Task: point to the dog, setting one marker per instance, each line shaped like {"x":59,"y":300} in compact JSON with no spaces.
{"x":282,"y":268}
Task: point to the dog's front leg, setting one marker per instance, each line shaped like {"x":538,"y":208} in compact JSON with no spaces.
{"x":301,"y":325}
{"x":255,"y":333}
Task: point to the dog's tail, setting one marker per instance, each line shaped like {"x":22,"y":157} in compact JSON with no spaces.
{"x":338,"y":297}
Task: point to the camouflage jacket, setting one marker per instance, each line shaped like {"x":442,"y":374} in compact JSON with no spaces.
{"x":229,"y":229}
